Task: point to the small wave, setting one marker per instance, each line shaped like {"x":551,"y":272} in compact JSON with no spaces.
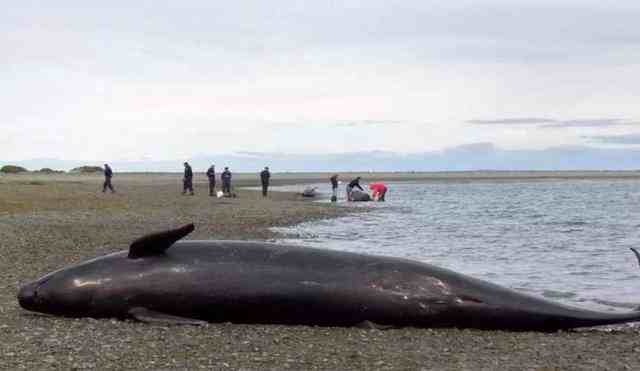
{"x":296,"y":235}
{"x":576,"y":223}
{"x":526,"y":289}
{"x":615,"y":304}
{"x":580,"y":273}
{"x":571,"y":230}
{"x":558,"y":294}
{"x":401,"y":209}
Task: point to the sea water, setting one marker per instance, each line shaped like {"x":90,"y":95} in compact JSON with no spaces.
{"x":565,"y":240}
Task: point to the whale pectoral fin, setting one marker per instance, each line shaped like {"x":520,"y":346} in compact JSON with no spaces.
{"x":150,"y":316}
{"x":157,"y":243}
{"x":368,"y":325}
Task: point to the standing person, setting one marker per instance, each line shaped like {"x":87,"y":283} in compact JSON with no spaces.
{"x":353,"y":184}
{"x":334,"y":187}
{"x":108,"y":174}
{"x":265,"y":175}
{"x":187,"y":180}
{"x":211,"y":174}
{"x":226,"y":181}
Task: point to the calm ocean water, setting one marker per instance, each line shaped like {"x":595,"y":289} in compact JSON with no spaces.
{"x":565,"y":240}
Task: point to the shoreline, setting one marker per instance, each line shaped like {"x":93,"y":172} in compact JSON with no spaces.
{"x":50,"y":224}
{"x":297,"y":177}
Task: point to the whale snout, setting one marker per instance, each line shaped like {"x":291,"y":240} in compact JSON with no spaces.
{"x":55,"y":295}
{"x":28,"y":296}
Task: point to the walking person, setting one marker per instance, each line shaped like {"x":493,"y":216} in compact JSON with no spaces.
{"x":353,"y":184}
{"x":226,"y":181}
{"x":211,"y":174}
{"x":187,"y":180}
{"x":334,"y":187}
{"x":265,"y":175}
{"x":108,"y":174}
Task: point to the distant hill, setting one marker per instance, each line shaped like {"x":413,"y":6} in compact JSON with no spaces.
{"x":12,"y":169}
{"x":46,"y":170}
{"x":86,"y":169}
{"x":471,"y":157}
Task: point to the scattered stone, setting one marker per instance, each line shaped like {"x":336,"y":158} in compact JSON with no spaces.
{"x":52,"y":230}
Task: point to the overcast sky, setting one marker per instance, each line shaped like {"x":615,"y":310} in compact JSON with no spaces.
{"x":123,"y":80}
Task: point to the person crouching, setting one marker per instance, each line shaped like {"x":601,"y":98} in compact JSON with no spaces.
{"x":378,"y":191}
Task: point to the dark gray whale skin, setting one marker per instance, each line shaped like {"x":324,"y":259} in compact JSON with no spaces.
{"x":256,"y":282}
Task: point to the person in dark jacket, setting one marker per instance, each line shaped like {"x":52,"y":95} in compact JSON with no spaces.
{"x":187,"y":180}
{"x":334,"y":187}
{"x":265,"y":175}
{"x":226,"y":181}
{"x":353,"y":184}
{"x":211,"y":174}
{"x":108,"y":174}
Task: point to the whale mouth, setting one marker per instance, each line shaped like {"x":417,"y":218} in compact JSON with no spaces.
{"x":28,"y":296}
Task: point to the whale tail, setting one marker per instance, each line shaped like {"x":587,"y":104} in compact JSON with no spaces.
{"x":552,"y":316}
{"x":636,"y":253}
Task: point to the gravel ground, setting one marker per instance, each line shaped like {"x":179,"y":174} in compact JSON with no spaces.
{"x":49,"y":222}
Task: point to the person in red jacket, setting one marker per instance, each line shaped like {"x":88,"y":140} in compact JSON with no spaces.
{"x":378,"y":191}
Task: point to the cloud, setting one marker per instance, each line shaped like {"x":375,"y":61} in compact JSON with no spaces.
{"x":616,"y":139}
{"x":251,"y":153}
{"x":486,"y":29}
{"x":554,"y":123}
{"x":364,"y":123}
{"x":169,"y":80}
{"x":513,"y":121}
{"x":479,"y":148}
{"x":590,"y":123}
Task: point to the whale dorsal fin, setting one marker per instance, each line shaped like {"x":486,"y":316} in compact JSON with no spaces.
{"x":157,"y":243}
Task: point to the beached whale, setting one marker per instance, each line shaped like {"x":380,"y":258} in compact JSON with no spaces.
{"x":309,"y":192}
{"x":360,"y":196}
{"x":162,"y":279}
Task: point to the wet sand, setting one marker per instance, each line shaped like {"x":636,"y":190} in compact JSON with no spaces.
{"x":47,"y":222}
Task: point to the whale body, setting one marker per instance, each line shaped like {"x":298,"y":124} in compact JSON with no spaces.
{"x":162,"y":279}
{"x":360,"y":196}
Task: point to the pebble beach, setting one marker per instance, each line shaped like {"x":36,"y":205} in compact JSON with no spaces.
{"x":50,"y":221}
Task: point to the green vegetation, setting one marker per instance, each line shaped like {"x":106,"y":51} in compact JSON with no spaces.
{"x":86,"y":169}
{"x":46,"y":170}
{"x":12,"y":169}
